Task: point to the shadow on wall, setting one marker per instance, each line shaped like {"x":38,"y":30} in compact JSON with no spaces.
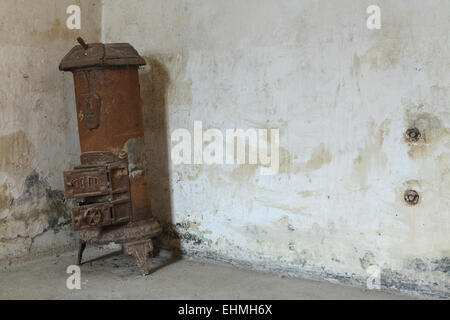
{"x":154,"y":81}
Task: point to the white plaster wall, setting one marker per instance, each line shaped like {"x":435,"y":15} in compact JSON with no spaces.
{"x":38,"y":134}
{"x":342,"y":97}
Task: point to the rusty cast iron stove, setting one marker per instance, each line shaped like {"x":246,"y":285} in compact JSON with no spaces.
{"x":110,"y":185}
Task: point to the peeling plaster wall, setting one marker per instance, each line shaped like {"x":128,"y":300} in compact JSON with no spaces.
{"x":342,"y":97}
{"x":38,"y":134}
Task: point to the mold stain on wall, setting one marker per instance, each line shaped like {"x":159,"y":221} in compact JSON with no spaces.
{"x":39,"y":209}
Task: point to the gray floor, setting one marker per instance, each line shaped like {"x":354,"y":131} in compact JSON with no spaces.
{"x":116,"y":277}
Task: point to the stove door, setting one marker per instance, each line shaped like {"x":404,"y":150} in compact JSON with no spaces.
{"x":91,"y":216}
{"x":100,"y":214}
{"x":89,"y":182}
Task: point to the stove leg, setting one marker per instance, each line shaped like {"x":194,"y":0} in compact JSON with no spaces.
{"x":140,"y":250}
{"x":81,"y":247}
{"x":155,"y":251}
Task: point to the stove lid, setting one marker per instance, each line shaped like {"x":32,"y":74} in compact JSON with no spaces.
{"x":100,"y":55}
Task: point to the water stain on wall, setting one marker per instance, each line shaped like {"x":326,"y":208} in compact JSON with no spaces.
{"x":370,"y":156}
{"x":17,"y":152}
{"x":243,"y":173}
{"x":319,"y":158}
{"x":5,"y":198}
{"x":57,"y":30}
{"x":384,"y":55}
{"x":433,"y":133}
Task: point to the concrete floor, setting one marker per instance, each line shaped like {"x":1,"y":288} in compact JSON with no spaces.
{"x":116,"y":277}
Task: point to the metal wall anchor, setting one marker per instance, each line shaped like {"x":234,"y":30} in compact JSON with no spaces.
{"x":411,"y":197}
{"x":412,"y":135}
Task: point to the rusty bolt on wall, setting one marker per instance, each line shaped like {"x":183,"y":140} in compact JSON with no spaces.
{"x":412,"y":135}
{"x":411,"y":197}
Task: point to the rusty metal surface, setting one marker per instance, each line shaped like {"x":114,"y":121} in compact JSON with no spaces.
{"x":140,"y":250}
{"x":99,"y":55}
{"x":100,"y":215}
{"x":122,"y":234}
{"x":97,"y":158}
{"x":412,"y":135}
{"x":86,"y":183}
{"x":411,"y":197}
{"x":90,"y":104}
{"x":103,"y":191}
{"x":110,"y":184}
{"x":94,"y":215}
{"x":120,"y":130}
